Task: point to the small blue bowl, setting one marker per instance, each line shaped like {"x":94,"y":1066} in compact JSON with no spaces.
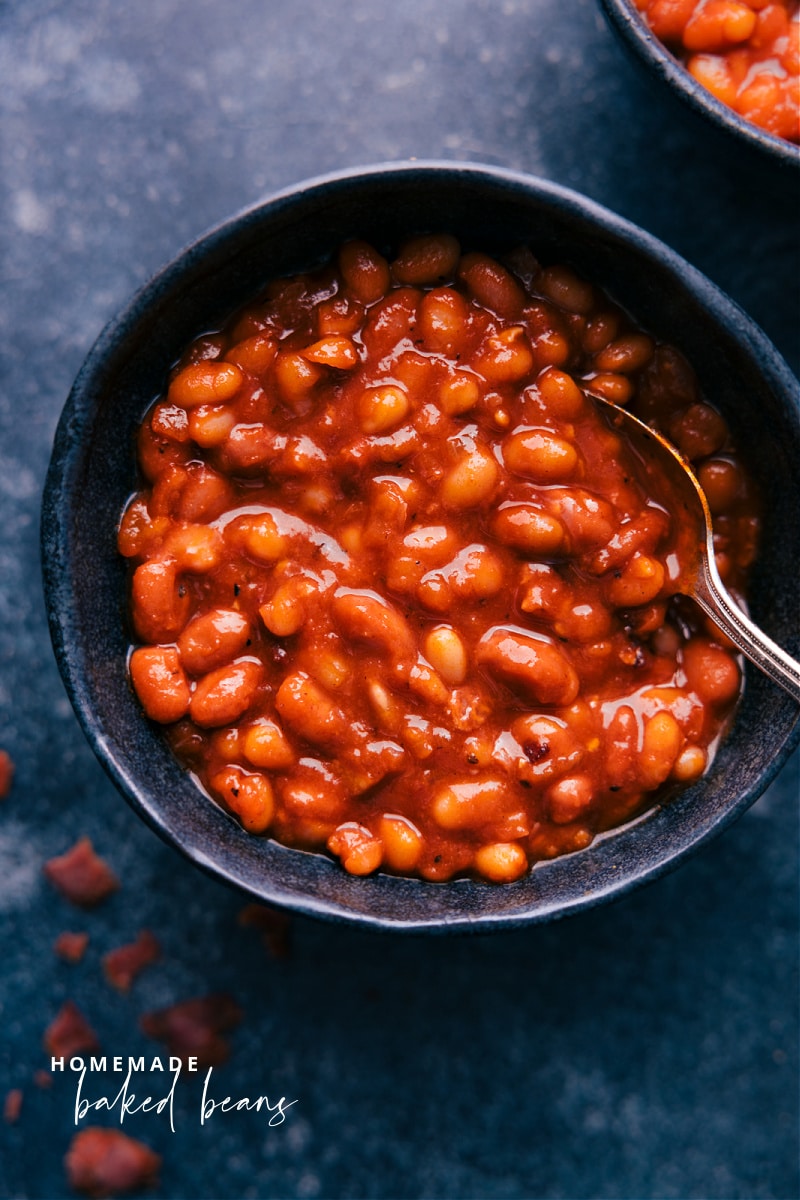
{"x":655,"y":57}
{"x":93,"y":471}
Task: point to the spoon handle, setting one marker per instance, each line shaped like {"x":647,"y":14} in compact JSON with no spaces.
{"x":714,"y":598}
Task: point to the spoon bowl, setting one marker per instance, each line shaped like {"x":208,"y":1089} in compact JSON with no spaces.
{"x":698,"y":576}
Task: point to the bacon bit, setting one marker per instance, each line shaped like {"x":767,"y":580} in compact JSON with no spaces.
{"x":69,"y":1033}
{"x":81,"y":875}
{"x":193,"y":1028}
{"x":12,"y":1106}
{"x":273,"y":924}
{"x":43,"y":1079}
{"x":71,"y":946}
{"x":6,"y":773}
{"x":105,"y":1162}
{"x":121,"y":966}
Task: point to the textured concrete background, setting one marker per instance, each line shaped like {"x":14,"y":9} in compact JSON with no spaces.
{"x":644,"y":1050}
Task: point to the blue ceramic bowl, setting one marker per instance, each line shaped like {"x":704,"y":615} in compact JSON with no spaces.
{"x":93,"y":471}
{"x":654,"y":56}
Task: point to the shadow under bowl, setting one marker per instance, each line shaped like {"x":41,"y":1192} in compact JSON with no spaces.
{"x":93,"y":472}
{"x":662,"y":65}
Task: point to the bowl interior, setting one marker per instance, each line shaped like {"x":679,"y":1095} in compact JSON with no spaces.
{"x":659,"y":60}
{"x":93,"y":472}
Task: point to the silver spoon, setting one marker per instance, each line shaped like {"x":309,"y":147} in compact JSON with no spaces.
{"x":700,"y":578}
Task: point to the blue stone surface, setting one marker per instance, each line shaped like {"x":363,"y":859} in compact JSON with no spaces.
{"x":647,"y":1049}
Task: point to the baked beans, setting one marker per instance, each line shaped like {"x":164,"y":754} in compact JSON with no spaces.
{"x":399,"y":592}
{"x":745,"y":52}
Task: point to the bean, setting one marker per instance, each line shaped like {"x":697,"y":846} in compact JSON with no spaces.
{"x":446,"y":653}
{"x":431,"y":543}
{"x":211,"y":424}
{"x":390,"y":321}
{"x":529,"y":663}
{"x":475,"y":573}
{"x":471,"y":480}
{"x":249,"y":796}
{"x":639,"y":582}
{"x":459,"y":393}
{"x":138,"y":534}
{"x":286,"y":613}
{"x":364,"y":616}
{"x":310,"y":712}
{"x":599,"y":331}
{"x":711,"y":672}
{"x":205,"y":383}
{"x":505,"y":357}
{"x":443,"y":316}
{"x":428,"y":259}
{"x":341,"y":314}
{"x":667,"y":18}
{"x":170,"y":421}
{"x":569,"y":798}
{"x":501,"y":862}
{"x":249,"y":448}
{"x":721,"y":480}
{"x":402,"y":843}
{"x":542,"y":589}
{"x":360,"y":851}
{"x":550,"y":747}
{"x":365,"y":766}
{"x":565,"y":288}
{"x":157,"y":454}
{"x":213,"y":639}
{"x":266,"y":745}
{"x":427,"y":684}
{"x":161,"y":602}
{"x":640,"y":534}
{"x":470,"y":803}
{"x":626,"y":354}
{"x":295,"y":375}
{"x":365,"y":272}
{"x":382,"y":408}
{"x":616,"y":388}
{"x":255,"y":354}
{"x":551,"y":349}
{"x":261,"y":538}
{"x":313,"y":795}
{"x":562,"y":398}
{"x":661,"y":743}
{"x":586,"y":622}
{"x":699,"y":431}
{"x":222,"y":696}
{"x":690,"y":764}
{"x":540,"y":455}
{"x":334,"y":350}
{"x":160,"y":683}
{"x":589,"y":520}
{"x":197,"y":549}
{"x":621,"y":744}
{"x":492,"y":285}
{"x":714,"y":72}
{"x":528,"y":529}
{"x":328,"y":665}
{"x":718,"y":25}
{"x":227,"y":743}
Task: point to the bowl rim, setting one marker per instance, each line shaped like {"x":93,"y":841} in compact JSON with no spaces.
{"x":58,"y":571}
{"x":640,"y":39}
